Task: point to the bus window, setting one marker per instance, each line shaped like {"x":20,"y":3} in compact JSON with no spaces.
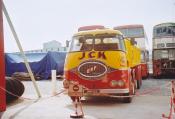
{"x":164,"y":54}
{"x":142,"y":57}
{"x":169,"y":31}
{"x":147,"y":56}
{"x":161,"y":54}
{"x":133,"y":32}
{"x":172,"y":54}
{"x":172,"y":29}
{"x":109,"y":43}
{"x":98,"y":42}
{"x":81,"y":44}
{"x":162,"y":31}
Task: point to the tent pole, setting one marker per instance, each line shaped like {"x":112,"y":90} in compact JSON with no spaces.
{"x":20,"y":48}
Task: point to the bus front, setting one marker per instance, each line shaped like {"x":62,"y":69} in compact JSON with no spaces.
{"x":96,"y":65}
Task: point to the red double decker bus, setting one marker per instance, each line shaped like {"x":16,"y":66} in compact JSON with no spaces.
{"x":137,"y":33}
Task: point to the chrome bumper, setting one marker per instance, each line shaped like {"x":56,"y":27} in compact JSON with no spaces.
{"x":105,"y":91}
{"x":113,"y":91}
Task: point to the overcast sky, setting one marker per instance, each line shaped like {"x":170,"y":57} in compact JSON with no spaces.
{"x":39,"y":21}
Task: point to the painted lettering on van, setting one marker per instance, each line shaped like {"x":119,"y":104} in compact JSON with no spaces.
{"x":93,"y":54}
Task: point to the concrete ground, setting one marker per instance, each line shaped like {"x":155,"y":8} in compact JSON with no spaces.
{"x":150,"y":102}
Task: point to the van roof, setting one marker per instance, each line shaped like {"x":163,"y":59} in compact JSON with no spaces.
{"x":98,"y":31}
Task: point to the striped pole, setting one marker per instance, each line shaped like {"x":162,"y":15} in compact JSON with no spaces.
{"x":21,"y":49}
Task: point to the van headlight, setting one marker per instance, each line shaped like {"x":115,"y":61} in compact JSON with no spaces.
{"x":115,"y":83}
{"x":121,"y":83}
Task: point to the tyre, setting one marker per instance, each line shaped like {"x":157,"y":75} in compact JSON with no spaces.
{"x":135,"y":87}
{"x":157,"y":77}
{"x":132,"y":92}
{"x":127,"y":100}
{"x":138,"y":84}
{"x":141,"y":81}
{"x":15,"y":89}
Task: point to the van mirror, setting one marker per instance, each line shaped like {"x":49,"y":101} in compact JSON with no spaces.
{"x":133,"y":42}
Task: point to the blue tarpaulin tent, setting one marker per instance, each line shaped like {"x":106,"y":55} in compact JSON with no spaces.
{"x":41,"y":63}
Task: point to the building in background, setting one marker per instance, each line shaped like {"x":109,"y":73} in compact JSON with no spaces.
{"x":49,"y":46}
{"x":53,"y":46}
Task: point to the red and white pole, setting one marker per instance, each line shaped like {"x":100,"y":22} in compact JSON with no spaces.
{"x":172,"y":103}
{"x":173,"y":96}
{"x":2,"y":64}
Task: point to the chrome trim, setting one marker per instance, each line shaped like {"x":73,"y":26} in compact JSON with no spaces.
{"x":123,"y":69}
{"x":114,"y":90}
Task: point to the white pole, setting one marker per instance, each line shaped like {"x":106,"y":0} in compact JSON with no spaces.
{"x":20,"y":48}
{"x":54,"y":82}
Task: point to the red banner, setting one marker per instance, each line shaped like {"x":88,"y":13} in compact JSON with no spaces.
{"x":2,"y":64}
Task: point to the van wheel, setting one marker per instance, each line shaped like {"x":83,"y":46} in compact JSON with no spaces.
{"x":157,"y":77}
{"x":134,"y":86}
{"x":132,"y":92}
{"x":138,"y":84}
{"x":127,"y":100}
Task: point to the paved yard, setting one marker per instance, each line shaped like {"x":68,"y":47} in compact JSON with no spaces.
{"x":150,"y":102}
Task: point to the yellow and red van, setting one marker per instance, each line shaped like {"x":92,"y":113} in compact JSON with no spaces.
{"x":100,"y":63}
